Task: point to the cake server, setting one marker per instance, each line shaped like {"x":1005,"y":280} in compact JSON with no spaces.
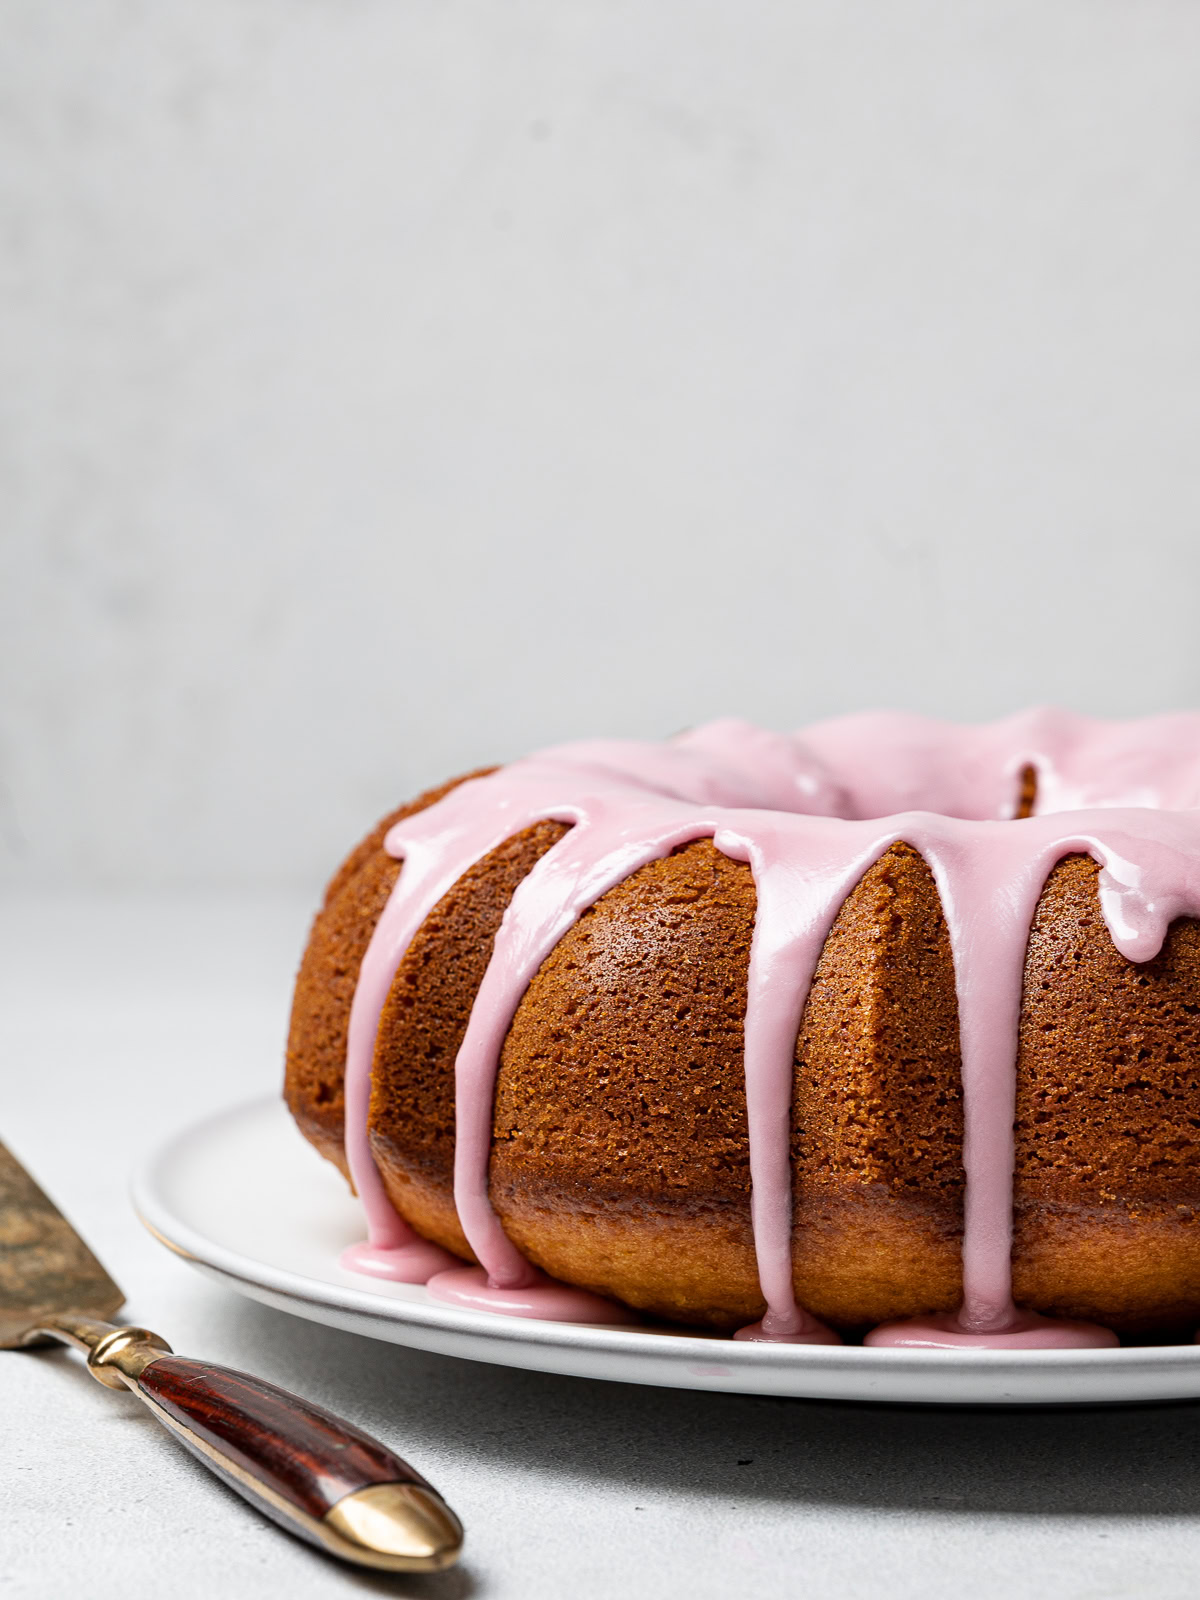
{"x":315,"y":1475}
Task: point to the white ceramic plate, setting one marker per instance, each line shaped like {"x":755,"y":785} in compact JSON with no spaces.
{"x":243,"y":1198}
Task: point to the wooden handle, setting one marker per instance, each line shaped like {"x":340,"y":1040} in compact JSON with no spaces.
{"x":318,"y":1476}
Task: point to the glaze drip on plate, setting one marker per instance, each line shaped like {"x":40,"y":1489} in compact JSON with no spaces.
{"x":809,"y":814}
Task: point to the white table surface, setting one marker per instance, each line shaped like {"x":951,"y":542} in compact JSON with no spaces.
{"x":121,"y":1021}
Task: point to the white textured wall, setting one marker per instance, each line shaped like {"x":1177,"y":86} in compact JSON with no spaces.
{"x":391,"y":385}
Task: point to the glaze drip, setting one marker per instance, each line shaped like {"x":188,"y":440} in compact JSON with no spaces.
{"x":809,"y":814}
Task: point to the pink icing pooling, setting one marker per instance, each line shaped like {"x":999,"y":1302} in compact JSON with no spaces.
{"x":414,"y":1260}
{"x":1026,"y":1331}
{"x":543,"y":1297}
{"x":809,"y":814}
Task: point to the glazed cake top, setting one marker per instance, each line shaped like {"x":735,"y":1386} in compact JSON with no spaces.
{"x":809,"y":813}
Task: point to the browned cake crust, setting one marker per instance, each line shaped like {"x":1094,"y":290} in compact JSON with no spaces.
{"x":620,"y":1159}
{"x":316,"y":1049}
{"x":1107,"y":1185}
{"x":422,"y":1027}
{"x":877,"y":1112}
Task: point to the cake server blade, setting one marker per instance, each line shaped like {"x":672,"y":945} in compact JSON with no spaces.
{"x":317,"y":1476}
{"x":44,"y":1265}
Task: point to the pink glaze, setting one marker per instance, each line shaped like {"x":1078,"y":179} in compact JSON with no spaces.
{"x":543,"y":1297}
{"x":809,"y":813}
{"x":415,"y":1262}
{"x":805,"y":1330}
{"x":1026,"y":1331}
{"x":889,"y":761}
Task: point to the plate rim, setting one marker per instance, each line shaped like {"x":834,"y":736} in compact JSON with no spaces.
{"x":248,"y":1272}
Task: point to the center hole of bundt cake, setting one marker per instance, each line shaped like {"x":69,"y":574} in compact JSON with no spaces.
{"x":945,"y":796}
{"x":1027,"y":793}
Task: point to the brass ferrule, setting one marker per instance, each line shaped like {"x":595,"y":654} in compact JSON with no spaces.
{"x":120,"y":1358}
{"x":116,"y":1356}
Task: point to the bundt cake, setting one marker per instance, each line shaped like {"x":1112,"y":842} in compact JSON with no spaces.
{"x":887,"y":1025}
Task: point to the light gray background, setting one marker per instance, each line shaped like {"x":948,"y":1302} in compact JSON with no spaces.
{"x":395,"y":385}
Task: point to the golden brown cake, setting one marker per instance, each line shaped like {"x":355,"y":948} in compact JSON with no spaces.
{"x":620,"y":1151}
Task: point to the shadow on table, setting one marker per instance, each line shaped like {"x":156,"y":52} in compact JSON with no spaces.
{"x":1127,"y":1460}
